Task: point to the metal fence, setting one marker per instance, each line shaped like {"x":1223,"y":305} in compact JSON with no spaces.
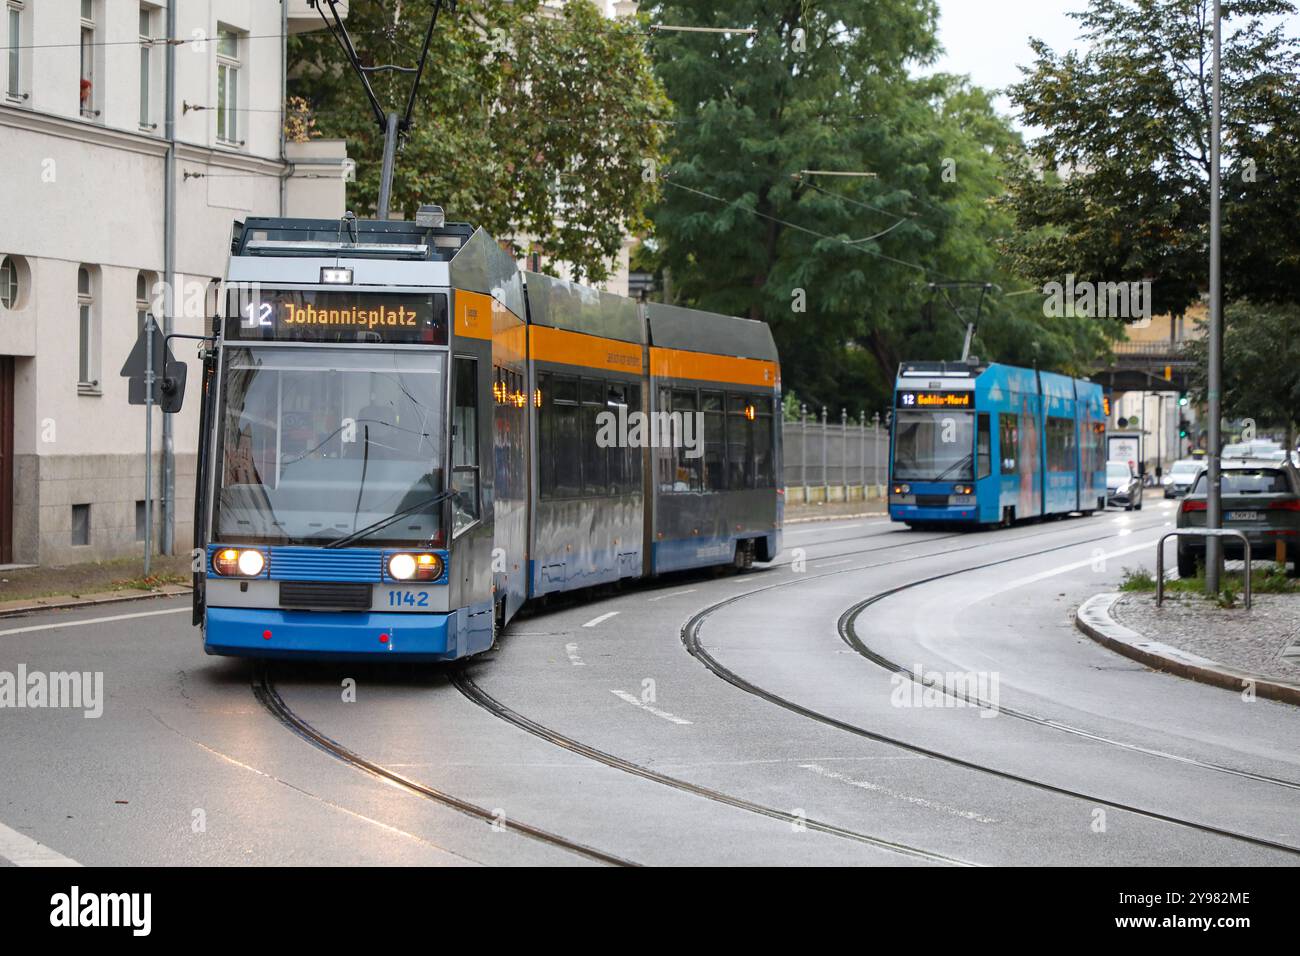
{"x":834,"y":460}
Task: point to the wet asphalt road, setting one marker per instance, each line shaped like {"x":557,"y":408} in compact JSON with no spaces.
{"x":709,"y":719}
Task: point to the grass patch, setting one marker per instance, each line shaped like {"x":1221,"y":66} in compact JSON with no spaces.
{"x":1265,"y":579}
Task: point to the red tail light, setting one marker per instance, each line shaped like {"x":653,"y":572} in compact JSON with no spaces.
{"x":1291,"y":504}
{"x":1189,"y":506}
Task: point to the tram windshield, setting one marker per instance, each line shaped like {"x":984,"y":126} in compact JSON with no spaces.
{"x":318,"y":443}
{"x":934,"y":446}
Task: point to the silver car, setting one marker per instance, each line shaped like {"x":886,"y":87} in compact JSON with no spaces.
{"x":1123,"y":486}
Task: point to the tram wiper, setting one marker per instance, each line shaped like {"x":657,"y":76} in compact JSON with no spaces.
{"x":385,"y":522}
{"x":955,"y":465}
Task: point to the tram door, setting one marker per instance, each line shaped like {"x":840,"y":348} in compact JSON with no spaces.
{"x":6,"y":459}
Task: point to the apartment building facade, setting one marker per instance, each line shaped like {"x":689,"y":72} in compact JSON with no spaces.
{"x":84,"y":239}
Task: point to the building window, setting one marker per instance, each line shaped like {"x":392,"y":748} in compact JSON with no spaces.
{"x":87,"y":333}
{"x":10,"y":282}
{"x":227,"y":86}
{"x":80,"y":525}
{"x":146,"y":68}
{"x":144,"y":283}
{"x":14,"y":20}
{"x":89,"y":94}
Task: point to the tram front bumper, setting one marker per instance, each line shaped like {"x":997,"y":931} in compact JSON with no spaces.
{"x":324,"y":635}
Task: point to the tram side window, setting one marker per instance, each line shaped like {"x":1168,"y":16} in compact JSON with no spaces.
{"x":664,"y":457}
{"x":982,"y":451}
{"x":567,"y":446}
{"x":464,"y":445}
{"x":631,"y":454}
{"x":740,"y":444}
{"x":1060,"y":444}
{"x":595,"y":475}
{"x":1009,"y":443}
{"x":686,"y":437}
{"x":715,"y":441}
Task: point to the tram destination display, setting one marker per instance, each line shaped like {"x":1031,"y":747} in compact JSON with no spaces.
{"x":313,"y":315}
{"x":936,"y":399}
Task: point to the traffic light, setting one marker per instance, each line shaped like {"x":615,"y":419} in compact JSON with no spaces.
{"x":1182,"y":400}
{"x":1105,"y":405}
{"x":1182,"y":428}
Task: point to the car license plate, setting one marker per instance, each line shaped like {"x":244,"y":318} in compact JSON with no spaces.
{"x":1243,"y":515}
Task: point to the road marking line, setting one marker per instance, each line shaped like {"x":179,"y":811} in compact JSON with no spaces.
{"x":636,"y":702}
{"x":674,"y":594}
{"x":574,"y":659}
{"x":907,"y":798}
{"x":1073,"y":566}
{"x":93,"y":620}
{"x":22,"y":850}
{"x":838,"y":527}
{"x":596,"y":620}
{"x":831,"y":564}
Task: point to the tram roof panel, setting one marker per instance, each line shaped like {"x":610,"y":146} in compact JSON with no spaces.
{"x":357,"y":238}
{"x":673,"y":327}
{"x":560,"y":304}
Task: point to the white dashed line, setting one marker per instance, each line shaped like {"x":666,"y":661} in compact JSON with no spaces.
{"x":22,"y":850}
{"x":905,"y":797}
{"x":635,"y":702}
{"x":838,"y":527}
{"x":831,"y":564}
{"x":674,"y":594}
{"x":574,"y":659}
{"x":93,"y":620}
{"x":597,"y":620}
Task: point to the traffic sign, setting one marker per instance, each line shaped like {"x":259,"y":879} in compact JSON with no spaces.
{"x":168,"y":376}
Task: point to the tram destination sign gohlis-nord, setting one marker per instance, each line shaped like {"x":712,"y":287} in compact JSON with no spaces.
{"x":936,"y":399}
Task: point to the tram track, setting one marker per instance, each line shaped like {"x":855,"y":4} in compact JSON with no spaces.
{"x":265,"y":691}
{"x":690,"y":635}
{"x":462,"y":681}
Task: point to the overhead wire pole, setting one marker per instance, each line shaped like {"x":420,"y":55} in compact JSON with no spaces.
{"x":393,"y":126}
{"x":1213,"y":500}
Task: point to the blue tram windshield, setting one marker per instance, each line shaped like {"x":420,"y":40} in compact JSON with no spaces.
{"x":934,"y":445}
{"x":319,"y":442}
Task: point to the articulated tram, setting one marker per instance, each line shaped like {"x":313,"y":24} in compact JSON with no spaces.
{"x":978,"y":445}
{"x":405,"y":438}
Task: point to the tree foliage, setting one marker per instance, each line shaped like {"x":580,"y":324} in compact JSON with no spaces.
{"x":838,"y":266}
{"x":1127,"y":125}
{"x":533,"y":123}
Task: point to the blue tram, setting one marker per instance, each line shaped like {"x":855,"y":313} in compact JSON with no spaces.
{"x":404,"y":438}
{"x":978,"y":445}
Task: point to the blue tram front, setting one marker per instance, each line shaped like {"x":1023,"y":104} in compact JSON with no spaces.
{"x":993,"y":444}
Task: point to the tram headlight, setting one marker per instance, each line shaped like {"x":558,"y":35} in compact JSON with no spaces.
{"x":964,"y":490}
{"x":239,"y":562}
{"x":902,"y":489}
{"x":414,"y":567}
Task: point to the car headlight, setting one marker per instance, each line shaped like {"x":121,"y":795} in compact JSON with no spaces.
{"x":405,"y":566}
{"x":239,"y":562}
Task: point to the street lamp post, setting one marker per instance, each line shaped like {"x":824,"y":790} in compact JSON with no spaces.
{"x":1213,"y":515}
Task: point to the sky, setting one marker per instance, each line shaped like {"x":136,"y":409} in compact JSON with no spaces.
{"x":988,"y":39}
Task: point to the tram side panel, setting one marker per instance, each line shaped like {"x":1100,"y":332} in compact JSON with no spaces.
{"x":1009,"y":396}
{"x":510,"y":400}
{"x":1061,"y":448}
{"x":587,"y":520}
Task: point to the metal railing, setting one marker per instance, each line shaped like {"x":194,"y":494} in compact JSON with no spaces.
{"x":1197,"y":533}
{"x":827,"y":460}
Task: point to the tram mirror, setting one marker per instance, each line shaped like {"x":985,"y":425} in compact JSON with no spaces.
{"x":172,"y":388}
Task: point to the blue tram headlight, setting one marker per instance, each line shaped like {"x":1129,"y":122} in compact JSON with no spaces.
{"x":238,"y":562}
{"x":902,"y":489}
{"x":405,"y":566}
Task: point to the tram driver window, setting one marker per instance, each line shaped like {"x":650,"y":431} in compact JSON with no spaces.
{"x":982,"y":454}
{"x":464,"y":446}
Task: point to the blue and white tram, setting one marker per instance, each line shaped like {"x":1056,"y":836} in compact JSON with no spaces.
{"x":974,"y":445}
{"x":404,"y":438}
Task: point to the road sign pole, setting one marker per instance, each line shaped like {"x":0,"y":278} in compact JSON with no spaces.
{"x":148,"y":441}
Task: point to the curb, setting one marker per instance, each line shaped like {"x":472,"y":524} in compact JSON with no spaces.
{"x":1093,"y":619}
{"x":865,"y":514}
{"x":63,"y":603}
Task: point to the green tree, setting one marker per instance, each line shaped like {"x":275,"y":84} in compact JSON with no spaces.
{"x":1261,"y":364}
{"x":1117,"y":187}
{"x":838,"y":266}
{"x":533,"y":123}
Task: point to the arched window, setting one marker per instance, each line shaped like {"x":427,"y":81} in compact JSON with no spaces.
{"x":144,"y":283}
{"x":11,"y":281}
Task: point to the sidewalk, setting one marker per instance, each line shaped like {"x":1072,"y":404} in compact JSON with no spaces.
{"x":799,"y":513}
{"x":1191,"y":637}
{"x":102,"y":582}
